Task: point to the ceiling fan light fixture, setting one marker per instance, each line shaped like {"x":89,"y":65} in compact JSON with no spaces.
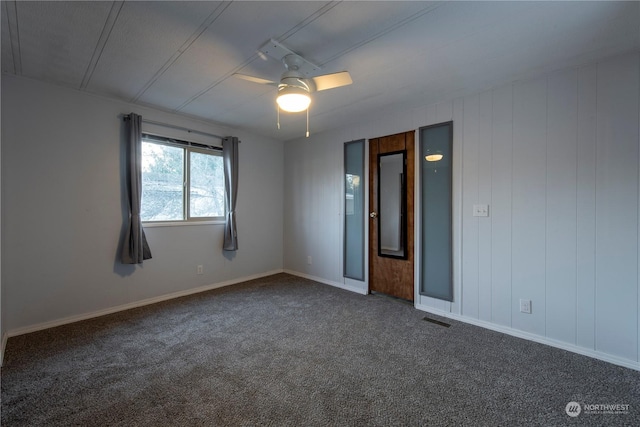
{"x":293,"y":99}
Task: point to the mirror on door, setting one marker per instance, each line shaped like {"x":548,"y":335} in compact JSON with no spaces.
{"x":392,"y":205}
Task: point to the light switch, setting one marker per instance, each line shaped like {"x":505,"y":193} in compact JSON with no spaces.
{"x":480,"y":210}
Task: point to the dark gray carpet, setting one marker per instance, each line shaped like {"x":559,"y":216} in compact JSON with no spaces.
{"x":289,"y":351}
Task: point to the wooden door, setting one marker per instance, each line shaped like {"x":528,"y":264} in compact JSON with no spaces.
{"x":389,"y":274}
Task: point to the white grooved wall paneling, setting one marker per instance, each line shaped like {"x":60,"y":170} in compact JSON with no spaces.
{"x":556,"y":158}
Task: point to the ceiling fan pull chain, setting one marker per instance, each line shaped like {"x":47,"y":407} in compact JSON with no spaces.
{"x":278,"y":108}
{"x":307,"y":122}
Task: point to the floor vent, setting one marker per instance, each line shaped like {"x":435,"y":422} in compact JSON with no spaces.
{"x":437,"y":322}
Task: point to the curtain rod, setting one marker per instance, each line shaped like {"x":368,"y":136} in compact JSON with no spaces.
{"x":151,"y":122}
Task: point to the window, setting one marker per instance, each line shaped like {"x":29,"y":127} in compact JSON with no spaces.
{"x":353,"y":261}
{"x":436,"y":166}
{"x":181,"y":181}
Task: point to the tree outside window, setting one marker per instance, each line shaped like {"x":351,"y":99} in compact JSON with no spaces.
{"x":181,"y":183}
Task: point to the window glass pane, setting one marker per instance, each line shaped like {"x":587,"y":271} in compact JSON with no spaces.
{"x":206,"y":195}
{"x":435,"y":174}
{"x":162,"y":182}
{"x":354,"y":210}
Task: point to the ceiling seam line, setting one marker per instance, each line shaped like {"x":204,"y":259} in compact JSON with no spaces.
{"x":384,"y":32}
{"x":311,"y":18}
{"x":14,"y":35}
{"x":213,"y":16}
{"x":109,"y":23}
{"x":6,"y":12}
{"x":216,"y":83}
{"x":317,"y":14}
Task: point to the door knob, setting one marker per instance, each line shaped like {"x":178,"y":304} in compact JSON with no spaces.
{"x":373,"y":215}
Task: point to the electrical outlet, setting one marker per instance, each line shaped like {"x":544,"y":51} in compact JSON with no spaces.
{"x":199,"y":269}
{"x":525,"y":306}
{"x":309,"y":260}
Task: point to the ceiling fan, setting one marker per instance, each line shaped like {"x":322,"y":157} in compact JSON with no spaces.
{"x":298,"y":81}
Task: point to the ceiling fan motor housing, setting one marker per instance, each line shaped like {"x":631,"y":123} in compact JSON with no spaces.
{"x":294,"y":79}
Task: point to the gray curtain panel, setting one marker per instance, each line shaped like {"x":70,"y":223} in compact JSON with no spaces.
{"x":135,"y":248}
{"x":230,"y":159}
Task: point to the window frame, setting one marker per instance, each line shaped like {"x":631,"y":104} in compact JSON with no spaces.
{"x":188,"y":147}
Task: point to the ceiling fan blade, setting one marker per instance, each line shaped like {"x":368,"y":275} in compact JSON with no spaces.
{"x":255,"y":79}
{"x":329,"y":81}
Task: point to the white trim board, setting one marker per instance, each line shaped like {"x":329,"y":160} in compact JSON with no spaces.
{"x":148,"y":301}
{"x":535,"y":338}
{"x":328,"y":282}
{"x":128,"y":306}
{"x":498,"y":328}
{"x":3,"y":345}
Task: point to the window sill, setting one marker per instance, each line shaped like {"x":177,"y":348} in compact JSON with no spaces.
{"x":180,"y":223}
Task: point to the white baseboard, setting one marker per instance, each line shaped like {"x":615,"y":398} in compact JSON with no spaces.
{"x":3,"y":345}
{"x":476,"y":322}
{"x":128,"y":306}
{"x":533,"y":337}
{"x":327,"y":282}
{"x":494,"y":327}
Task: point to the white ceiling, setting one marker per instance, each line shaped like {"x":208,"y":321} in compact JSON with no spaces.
{"x":180,"y":56}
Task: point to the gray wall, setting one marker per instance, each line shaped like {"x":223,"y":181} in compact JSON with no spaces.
{"x":2,"y":322}
{"x":556,"y":158}
{"x":62,"y":211}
